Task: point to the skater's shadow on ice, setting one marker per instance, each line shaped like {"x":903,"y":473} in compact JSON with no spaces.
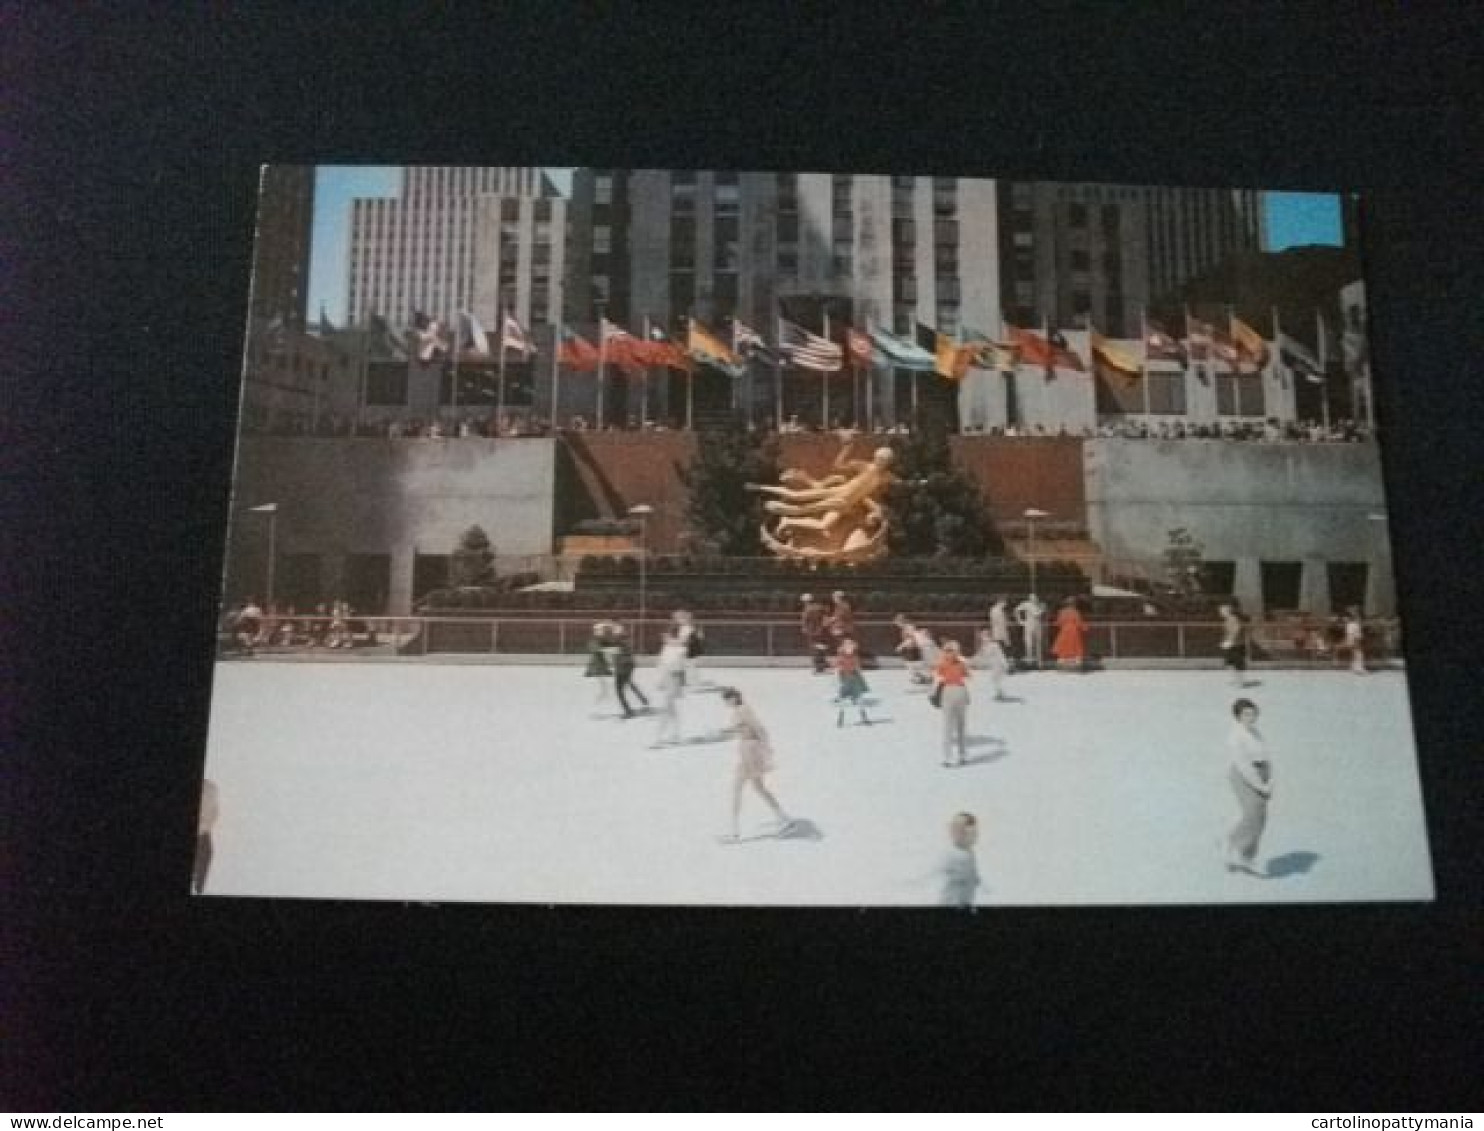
{"x":1007,"y":699}
{"x":801,"y":828}
{"x":1291,"y":864}
{"x":987,"y":749}
{"x":702,"y":739}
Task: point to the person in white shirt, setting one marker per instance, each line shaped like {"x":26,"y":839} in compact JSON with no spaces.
{"x":990,"y":656}
{"x":999,"y":623}
{"x":959,"y":867}
{"x":1355,"y":640}
{"x":1029,"y":614}
{"x":1250,"y":775}
{"x":670,"y":671}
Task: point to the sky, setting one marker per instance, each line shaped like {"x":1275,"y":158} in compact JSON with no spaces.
{"x":1294,"y":219}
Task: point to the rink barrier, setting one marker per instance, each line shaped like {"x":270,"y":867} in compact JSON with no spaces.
{"x":742,"y":637}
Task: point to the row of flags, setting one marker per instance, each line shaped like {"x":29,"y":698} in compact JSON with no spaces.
{"x":1238,"y":346}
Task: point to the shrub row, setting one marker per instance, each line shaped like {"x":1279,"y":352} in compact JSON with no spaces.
{"x":595,"y":567}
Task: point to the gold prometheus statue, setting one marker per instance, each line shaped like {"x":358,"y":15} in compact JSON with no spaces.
{"x":838,"y":518}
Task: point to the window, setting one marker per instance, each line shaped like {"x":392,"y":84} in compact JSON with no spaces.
{"x":1110,"y":220}
{"x":1020,"y":195}
{"x":603,"y":189}
{"x":1081,"y":302}
{"x":601,"y":288}
{"x":901,"y":196}
{"x":1113,"y":314}
{"x":788,"y":228}
{"x":1218,"y":578}
{"x":1113,"y":263}
{"x":1239,"y":395}
{"x":1025,"y":292}
{"x":1166,"y":393}
{"x":509,"y":210}
{"x":682,"y":291}
{"x":724,"y":293}
{"x":543,"y":209}
{"x":788,"y":192}
{"x":1281,"y":585}
{"x":945,"y":232}
{"x":840,"y":188}
{"x":948,"y":319}
{"x":946,"y":260}
{"x":1081,"y":261}
{"x":948,"y":290}
{"x":905,"y":287}
{"x":367,"y":578}
{"x":841,"y":228}
{"x":788,"y":260}
{"x":1347,"y":584}
{"x":903,"y":232}
{"x":1024,"y":239}
{"x":1077,"y":215}
{"x":602,"y":239}
{"x":728,"y":197}
{"x":683,"y":194}
{"x":429,"y":572}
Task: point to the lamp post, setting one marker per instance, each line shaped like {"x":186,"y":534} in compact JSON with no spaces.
{"x":271,"y":510}
{"x":1032,"y":516}
{"x":1374,"y":590}
{"x":642,"y":511}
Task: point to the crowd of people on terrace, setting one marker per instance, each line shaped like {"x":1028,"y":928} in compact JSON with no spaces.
{"x":515,"y":425}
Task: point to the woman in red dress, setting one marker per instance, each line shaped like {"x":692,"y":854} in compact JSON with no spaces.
{"x":1070,"y":648}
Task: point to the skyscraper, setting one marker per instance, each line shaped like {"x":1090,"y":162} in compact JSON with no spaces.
{"x":280,"y":279}
{"x":477,"y":238}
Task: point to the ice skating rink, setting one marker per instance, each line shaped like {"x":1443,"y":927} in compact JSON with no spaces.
{"x":492,"y":783}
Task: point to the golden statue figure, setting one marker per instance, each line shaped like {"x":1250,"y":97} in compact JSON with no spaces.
{"x":838,"y":518}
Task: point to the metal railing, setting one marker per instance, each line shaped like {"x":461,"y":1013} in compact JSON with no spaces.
{"x":749,"y":637}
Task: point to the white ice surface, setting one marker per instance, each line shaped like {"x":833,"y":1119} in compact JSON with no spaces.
{"x":414,"y":781}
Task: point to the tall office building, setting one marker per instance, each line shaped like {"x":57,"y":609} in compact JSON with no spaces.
{"x":821,"y":249}
{"x":475,"y":238}
{"x":1073,"y":252}
{"x":280,"y":279}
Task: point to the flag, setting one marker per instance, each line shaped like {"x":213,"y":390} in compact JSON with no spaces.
{"x":1252,"y":347}
{"x":473,"y":333}
{"x":859,"y":347}
{"x":1297,"y":357}
{"x":1051,"y":352}
{"x":1200,"y":337}
{"x":514,"y":337}
{"x":705,"y":347}
{"x":619,"y":348}
{"x":809,"y":351}
{"x":950,"y":359}
{"x":747,"y":342}
{"x":577,"y":353}
{"x":432,"y":341}
{"x":1160,"y":346}
{"x":901,"y":353}
{"x":660,"y":350}
{"x":1111,"y":358}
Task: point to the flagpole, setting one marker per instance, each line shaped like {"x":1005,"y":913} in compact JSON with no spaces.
{"x":690,"y":394}
{"x":1144,"y":369}
{"x":824,"y":380}
{"x":778,"y":376}
{"x":556,"y":373}
{"x":453,"y":391}
{"x":1323,"y":367}
{"x":500,"y":380}
{"x":602,"y":363}
{"x":870,"y":380}
{"x":361,"y":398}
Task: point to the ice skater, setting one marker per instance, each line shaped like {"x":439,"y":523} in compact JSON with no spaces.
{"x":754,"y":762}
{"x":951,"y":693}
{"x":927,"y":648}
{"x":1234,"y":642}
{"x":991,"y":657}
{"x":671,"y":676}
{"x":999,"y":623}
{"x":1251,"y":777}
{"x":853,"y":687}
{"x":597,"y":662}
{"x":1029,"y":614}
{"x":959,"y":867}
{"x":910,"y":650}
{"x":205,"y":822}
{"x":622,"y":662}
{"x":1355,"y":640}
{"x":1070,"y":645}
{"x":690,"y":635}
{"x":811,"y":627}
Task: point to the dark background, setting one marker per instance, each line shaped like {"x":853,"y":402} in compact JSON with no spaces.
{"x":128,"y":191}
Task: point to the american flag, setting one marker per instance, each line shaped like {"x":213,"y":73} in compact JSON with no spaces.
{"x":809,"y":351}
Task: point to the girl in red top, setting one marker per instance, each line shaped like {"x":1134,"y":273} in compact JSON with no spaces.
{"x":950,"y":676}
{"x":1070,"y":648}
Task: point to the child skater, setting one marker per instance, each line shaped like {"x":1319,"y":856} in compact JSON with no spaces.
{"x":950,"y":676}
{"x":909,"y":649}
{"x":991,"y":657}
{"x":852,"y":684}
{"x":959,"y":867}
{"x":597,"y":662}
{"x":754,"y":761}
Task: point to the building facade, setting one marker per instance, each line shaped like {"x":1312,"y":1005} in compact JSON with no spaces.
{"x":280,"y":276}
{"x":486,"y":240}
{"x":1105,"y":253}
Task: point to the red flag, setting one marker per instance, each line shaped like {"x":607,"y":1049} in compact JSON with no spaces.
{"x":577,"y":353}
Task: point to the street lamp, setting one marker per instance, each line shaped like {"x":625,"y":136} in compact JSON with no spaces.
{"x":271,"y":510}
{"x":1032,"y":516}
{"x":642,"y":511}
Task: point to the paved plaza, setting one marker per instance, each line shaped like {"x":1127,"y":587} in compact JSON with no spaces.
{"x":501,"y":783}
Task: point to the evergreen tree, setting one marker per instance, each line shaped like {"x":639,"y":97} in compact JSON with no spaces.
{"x":473,"y":560}
{"x":1184,"y":562}
{"x":721,"y":511}
{"x":935,"y":508}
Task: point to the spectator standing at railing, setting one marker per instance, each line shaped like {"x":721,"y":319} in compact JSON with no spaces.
{"x":1070,"y":645}
{"x":999,"y":623}
{"x":811,"y":627}
{"x":249,"y":624}
{"x":1234,"y":638}
{"x":1030,"y":614}
{"x":1355,"y":640}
